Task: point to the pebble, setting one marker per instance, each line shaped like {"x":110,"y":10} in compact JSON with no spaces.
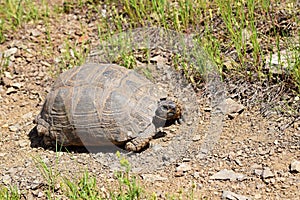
{"x":257,"y":196}
{"x":7,"y":75}
{"x":233,"y":196}
{"x":17,"y":85}
{"x":227,"y":175}
{"x":6,"y":179}
{"x":11,"y":90}
{"x":2,"y":154}
{"x":238,"y":162}
{"x":10,"y":52}
{"x":267,"y":173}
{"x":295,"y":166}
{"x":258,"y":172}
{"x":179,"y":174}
{"x":196,"y":138}
{"x":28,"y":115}
{"x":260,"y":186}
{"x":12,"y":171}
{"x":233,"y":108}
{"x":46,"y":63}
{"x":196,"y":175}
{"x":82,"y":161}
{"x":186,"y":160}
{"x":35,"y":185}
{"x":153,"y":177}
{"x":23,"y":143}
{"x":35,"y":33}
{"x":14,"y":128}
{"x":275,"y":59}
{"x":207,"y":109}
{"x":183,"y":167}
{"x":158,"y":59}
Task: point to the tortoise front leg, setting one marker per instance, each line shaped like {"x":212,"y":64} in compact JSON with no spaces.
{"x":142,"y":140}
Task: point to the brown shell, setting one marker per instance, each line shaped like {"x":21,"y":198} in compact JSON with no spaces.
{"x":97,"y":103}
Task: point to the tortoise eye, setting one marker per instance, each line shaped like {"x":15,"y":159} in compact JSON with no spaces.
{"x":165,"y":107}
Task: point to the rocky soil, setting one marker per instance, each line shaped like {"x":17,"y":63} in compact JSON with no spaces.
{"x":256,"y":157}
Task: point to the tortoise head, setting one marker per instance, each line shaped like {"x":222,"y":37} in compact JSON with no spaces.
{"x":167,"y":112}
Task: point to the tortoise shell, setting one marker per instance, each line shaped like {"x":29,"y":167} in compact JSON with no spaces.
{"x":99,"y":104}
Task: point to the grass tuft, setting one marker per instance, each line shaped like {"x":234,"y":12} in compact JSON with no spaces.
{"x":128,"y":186}
{"x":85,"y":188}
{"x":14,"y":13}
{"x":11,"y":193}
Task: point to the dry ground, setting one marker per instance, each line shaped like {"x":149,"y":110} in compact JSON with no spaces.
{"x":259,"y":147}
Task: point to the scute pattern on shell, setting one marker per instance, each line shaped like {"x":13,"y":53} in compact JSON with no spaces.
{"x":96,"y":104}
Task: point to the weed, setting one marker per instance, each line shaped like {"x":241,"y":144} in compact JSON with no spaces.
{"x":128,"y":61}
{"x":85,"y":188}
{"x":51,"y":174}
{"x":2,"y":37}
{"x":11,"y":193}
{"x":73,"y":55}
{"x":132,"y":189}
{"x":4,"y":62}
{"x":296,"y":72}
{"x":17,"y":12}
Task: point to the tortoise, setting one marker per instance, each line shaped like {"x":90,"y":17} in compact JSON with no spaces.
{"x":93,"y":104}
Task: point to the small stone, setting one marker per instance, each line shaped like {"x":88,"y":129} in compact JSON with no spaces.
{"x":260,"y":186}
{"x":196,"y":138}
{"x":207,"y":109}
{"x":153,"y":177}
{"x":279,"y":62}
{"x":40,"y":195}
{"x":186,"y":160}
{"x":81,"y":161}
{"x":12,"y":171}
{"x":295,"y":166}
{"x":6,"y":179}
{"x":17,"y":85}
{"x":10,"y":52}
{"x":272,"y":180}
{"x":196,"y":175}
{"x":11,"y":90}
{"x":27,"y":115}
{"x":2,"y":154}
{"x":5,"y":126}
{"x":238,"y":162}
{"x":35,"y":184}
{"x":35,"y":192}
{"x":23,"y":143}
{"x":227,"y":175}
{"x":258,"y":172}
{"x":233,"y":196}
{"x":14,"y":128}
{"x":158,"y":59}
{"x":266,"y":173}
{"x":233,"y":108}
{"x":7,"y":81}
{"x":281,"y":179}
{"x":183,"y":167}
{"x":45,"y":63}
{"x":179,"y":174}
{"x":257,"y":196}
{"x":35,"y":33}
{"x":189,"y":123}
{"x":7,"y":75}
